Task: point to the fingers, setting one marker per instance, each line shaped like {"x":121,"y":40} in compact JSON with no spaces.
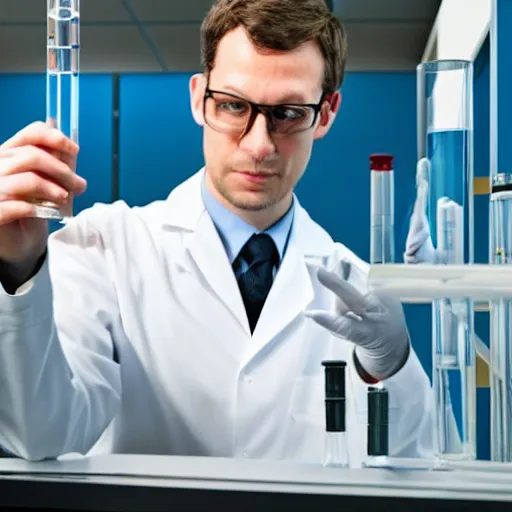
{"x":346,"y":269}
{"x":415,"y":241}
{"x":342,"y":326}
{"x":343,"y":269}
{"x":37,"y":165}
{"x":351,"y":298}
{"x":422,"y":172}
{"x":13,"y":210}
{"x":418,"y":219}
{"x":30,"y":158}
{"x":30,"y":186}
{"x":328,"y":320}
{"x":42,"y":134}
{"x":419,"y":230}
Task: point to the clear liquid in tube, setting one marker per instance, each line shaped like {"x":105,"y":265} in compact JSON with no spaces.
{"x":62,"y":75}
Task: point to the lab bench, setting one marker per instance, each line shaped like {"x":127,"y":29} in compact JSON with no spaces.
{"x":129,"y":483}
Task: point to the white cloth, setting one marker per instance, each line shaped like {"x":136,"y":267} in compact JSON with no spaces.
{"x":154,"y":285}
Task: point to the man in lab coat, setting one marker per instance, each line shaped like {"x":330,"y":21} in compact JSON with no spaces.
{"x":197,"y":325}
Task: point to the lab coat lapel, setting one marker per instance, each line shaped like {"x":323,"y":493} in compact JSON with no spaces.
{"x":209,"y":254}
{"x":202,"y":251}
{"x":292,"y":290}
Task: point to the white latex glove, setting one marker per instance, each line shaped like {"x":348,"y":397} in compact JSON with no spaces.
{"x":418,"y":246}
{"x":375,"y":324}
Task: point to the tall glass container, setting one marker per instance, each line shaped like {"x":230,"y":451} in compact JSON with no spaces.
{"x":501,"y":322}
{"x":62,"y":71}
{"x":382,"y":209}
{"x":447,"y":87}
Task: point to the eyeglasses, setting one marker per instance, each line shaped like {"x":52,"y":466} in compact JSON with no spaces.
{"x":231,"y":114}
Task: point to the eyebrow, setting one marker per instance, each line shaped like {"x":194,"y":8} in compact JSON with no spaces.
{"x":288,"y":98}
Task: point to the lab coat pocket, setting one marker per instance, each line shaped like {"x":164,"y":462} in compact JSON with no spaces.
{"x":307,"y":401}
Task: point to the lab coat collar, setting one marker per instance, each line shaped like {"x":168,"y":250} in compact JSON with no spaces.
{"x":185,"y":207}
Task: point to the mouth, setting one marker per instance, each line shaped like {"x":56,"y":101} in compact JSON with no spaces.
{"x":256,"y":177}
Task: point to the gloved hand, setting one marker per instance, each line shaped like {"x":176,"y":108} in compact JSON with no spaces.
{"x":418,"y":246}
{"x":375,"y":324}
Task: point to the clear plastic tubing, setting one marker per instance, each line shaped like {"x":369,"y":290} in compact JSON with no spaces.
{"x":447,"y":86}
{"x":62,"y":73}
{"x":501,"y":322}
{"x":382,"y":202}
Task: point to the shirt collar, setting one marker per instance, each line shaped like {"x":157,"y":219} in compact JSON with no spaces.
{"x":235,"y":232}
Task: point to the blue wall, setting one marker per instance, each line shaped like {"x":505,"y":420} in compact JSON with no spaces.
{"x":481,"y":168}
{"x":160,"y":144}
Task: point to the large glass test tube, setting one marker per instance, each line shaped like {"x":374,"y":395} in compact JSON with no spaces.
{"x":62,"y":69}
{"x":382,"y":209}
{"x":447,"y":86}
{"x":501,"y":322}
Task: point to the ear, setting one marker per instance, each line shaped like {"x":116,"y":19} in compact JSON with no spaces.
{"x":197,"y":86}
{"x":328,"y":114}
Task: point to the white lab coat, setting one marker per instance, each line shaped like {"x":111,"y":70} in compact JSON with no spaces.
{"x":156,"y":283}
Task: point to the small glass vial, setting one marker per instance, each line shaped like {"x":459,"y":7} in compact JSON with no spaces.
{"x":336,"y":447}
{"x":378,"y":425}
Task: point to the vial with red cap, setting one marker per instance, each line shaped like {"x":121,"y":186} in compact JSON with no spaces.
{"x":382,"y":202}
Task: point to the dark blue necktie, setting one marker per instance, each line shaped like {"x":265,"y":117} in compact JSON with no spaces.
{"x":260,"y":253}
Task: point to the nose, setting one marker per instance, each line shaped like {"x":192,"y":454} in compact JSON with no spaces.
{"x":257,"y":143}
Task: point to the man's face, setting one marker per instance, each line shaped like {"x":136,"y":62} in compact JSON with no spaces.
{"x":259,"y":170}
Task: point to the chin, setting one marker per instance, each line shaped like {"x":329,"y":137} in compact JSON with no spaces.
{"x":248,"y":202}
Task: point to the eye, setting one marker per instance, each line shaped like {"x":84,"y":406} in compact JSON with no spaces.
{"x":284,"y":113}
{"x":233,"y":107}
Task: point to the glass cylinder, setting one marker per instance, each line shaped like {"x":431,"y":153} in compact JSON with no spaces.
{"x":501,"y":322}
{"x":62,"y":71}
{"x":382,"y":206}
{"x":447,"y":87}
{"x":336,"y":450}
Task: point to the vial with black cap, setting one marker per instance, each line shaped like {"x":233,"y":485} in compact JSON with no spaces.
{"x":378,"y":424}
{"x":336,"y":449}
{"x":378,"y":438}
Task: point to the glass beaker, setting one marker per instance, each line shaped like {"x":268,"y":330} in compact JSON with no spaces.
{"x":447,"y":90}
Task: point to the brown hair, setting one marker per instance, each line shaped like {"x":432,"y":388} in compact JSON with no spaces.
{"x":280,"y":25}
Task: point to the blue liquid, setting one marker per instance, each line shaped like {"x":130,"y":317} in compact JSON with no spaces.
{"x":448,"y":152}
{"x":454,"y":366}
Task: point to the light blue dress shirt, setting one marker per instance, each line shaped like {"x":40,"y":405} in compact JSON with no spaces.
{"x":234,"y":231}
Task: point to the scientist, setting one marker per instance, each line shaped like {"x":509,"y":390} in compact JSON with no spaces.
{"x":196,"y":325}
